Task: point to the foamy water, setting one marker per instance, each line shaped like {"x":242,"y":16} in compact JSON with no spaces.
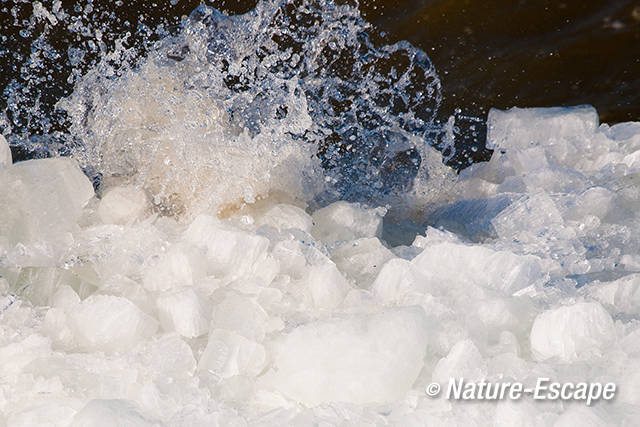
{"x":275,"y":241}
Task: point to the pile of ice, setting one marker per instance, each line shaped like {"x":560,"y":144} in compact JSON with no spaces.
{"x":111,"y":314}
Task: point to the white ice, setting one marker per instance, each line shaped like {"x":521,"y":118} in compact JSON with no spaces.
{"x":271,"y":314}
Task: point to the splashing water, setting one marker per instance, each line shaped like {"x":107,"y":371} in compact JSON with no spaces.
{"x":292,"y":100}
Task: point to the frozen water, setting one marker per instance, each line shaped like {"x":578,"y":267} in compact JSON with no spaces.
{"x":280,"y":313}
{"x":5,"y":152}
{"x":120,"y":205}
{"x":182,"y":311}
{"x":572,"y":332}
{"x":220,"y":276}
{"x":358,"y":359}
{"x":284,"y":217}
{"x":464,"y":360}
{"x":109,"y":323}
{"x":108,"y":413}
{"x":344,"y":221}
{"x":37,"y":227}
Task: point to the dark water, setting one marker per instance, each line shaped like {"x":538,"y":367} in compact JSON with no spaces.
{"x":526,"y":53}
{"x":501,"y":53}
{"x":488,"y":53}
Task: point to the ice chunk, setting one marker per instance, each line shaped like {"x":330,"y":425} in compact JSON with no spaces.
{"x":45,"y":408}
{"x":120,"y":205}
{"x":285,"y":217}
{"x":108,"y":323}
{"x":581,"y":415}
{"x":61,"y":176}
{"x":623,"y":293}
{"x":121,"y":250}
{"x":65,"y":298}
{"x":295,"y":256}
{"x":524,"y":128}
{"x":397,"y":279}
{"x":359,"y":359}
{"x":326,"y":285}
{"x":500,"y":270}
{"x":493,"y":316}
{"x":463,"y":361}
{"x":520,"y":413}
{"x":242,"y":315}
{"x":471,"y":217}
{"x":572,"y":332}
{"x":107,"y":413}
{"x":56,"y":327}
{"x":181,"y":265}
{"x":168,"y":355}
{"x":362,"y":259}
{"x":16,"y":355}
{"x":41,"y":200}
{"x":5,"y":152}
{"x":596,"y":201}
{"x":39,"y":284}
{"x":232,"y":253}
{"x":229,"y":354}
{"x":182,"y":311}
{"x":342,"y":221}
{"x":528,"y":217}
{"x":122,"y":286}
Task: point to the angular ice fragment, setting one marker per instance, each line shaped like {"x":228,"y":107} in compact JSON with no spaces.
{"x":463,"y":361}
{"x":183,"y":312}
{"x":343,"y":221}
{"x":242,"y":315}
{"x":472,"y":217}
{"x":523,"y":128}
{"x":122,"y":286}
{"x":121,"y":205}
{"x":107,"y":413}
{"x":108,"y":323}
{"x":362,"y":259}
{"x":358,"y":359}
{"x":623,"y":294}
{"x":596,"y":201}
{"x":5,"y":152}
{"x":284,"y":217}
{"x":572,"y":332}
{"x":582,"y":415}
{"x":460,"y":264}
{"x":62,"y":176}
{"x":180,"y":266}
{"x":16,"y":355}
{"x":397,"y":279}
{"x":42,"y":407}
{"x":228,"y":354}
{"x":515,"y":413}
{"x":528,"y":217}
{"x":41,"y":200}
{"x":56,"y":327}
{"x":168,"y":356}
{"x":39,"y":284}
{"x":65,"y":298}
{"x":326,"y":285}
{"x":232,"y":253}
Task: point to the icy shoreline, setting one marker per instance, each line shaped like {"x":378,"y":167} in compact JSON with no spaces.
{"x":274,"y":316}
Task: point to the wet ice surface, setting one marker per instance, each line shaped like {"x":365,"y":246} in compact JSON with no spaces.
{"x":276,"y":316}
